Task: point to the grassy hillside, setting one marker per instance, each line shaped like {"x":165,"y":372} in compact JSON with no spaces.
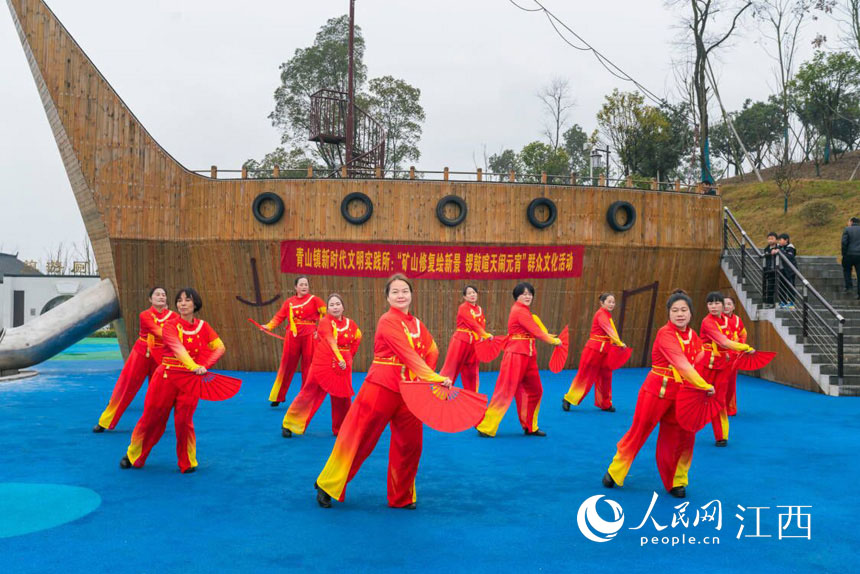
{"x":758,"y":208}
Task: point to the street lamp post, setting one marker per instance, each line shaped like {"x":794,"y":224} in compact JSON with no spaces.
{"x":595,"y":164}
{"x":607,"y":165}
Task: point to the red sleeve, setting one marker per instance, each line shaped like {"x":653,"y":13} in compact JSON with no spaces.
{"x":742,"y":331}
{"x":147,"y":322}
{"x":216,"y":347}
{"x":321,"y":307}
{"x":712,"y":331}
{"x":280,"y":316}
{"x":356,"y":341}
{"x":466,"y":315}
{"x":325,"y":330}
{"x":394,"y":334}
{"x":604,"y":321}
{"x":524,"y":317}
{"x":432,"y":357}
{"x":171,"y":340}
{"x":671,"y":349}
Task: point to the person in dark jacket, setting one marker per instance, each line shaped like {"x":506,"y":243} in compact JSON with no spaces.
{"x":770,"y":251}
{"x":851,"y":253}
{"x":786,"y":293}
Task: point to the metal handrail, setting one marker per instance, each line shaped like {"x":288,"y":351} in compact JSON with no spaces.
{"x":814,"y":324}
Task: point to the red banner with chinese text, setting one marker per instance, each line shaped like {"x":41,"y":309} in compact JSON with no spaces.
{"x":431,"y":261}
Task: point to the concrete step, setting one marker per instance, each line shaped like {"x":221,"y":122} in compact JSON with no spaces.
{"x":850,"y":360}
{"x":848,"y":380}
{"x":850,"y":350}
{"x":827,"y":369}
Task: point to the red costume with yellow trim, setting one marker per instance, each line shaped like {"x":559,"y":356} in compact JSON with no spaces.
{"x":301,"y":314}
{"x":738,"y":334}
{"x":187,"y":346}
{"x":715,"y":364}
{"x":337,"y":340}
{"x":461,"y":359}
{"x":403,"y":350}
{"x":518,"y":375}
{"x":672,"y":358}
{"x":143,"y":360}
{"x":592,"y":369}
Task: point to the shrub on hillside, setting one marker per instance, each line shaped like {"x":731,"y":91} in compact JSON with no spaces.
{"x":818,"y":212}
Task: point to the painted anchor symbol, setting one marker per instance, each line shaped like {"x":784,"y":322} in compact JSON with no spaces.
{"x":259,"y":296}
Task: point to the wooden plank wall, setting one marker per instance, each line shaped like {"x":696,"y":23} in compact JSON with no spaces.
{"x":166,"y":225}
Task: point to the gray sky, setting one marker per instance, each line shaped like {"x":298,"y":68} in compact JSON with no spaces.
{"x":200,"y":75}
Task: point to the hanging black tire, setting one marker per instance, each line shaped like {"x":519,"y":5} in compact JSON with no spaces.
{"x":545,"y":202}
{"x":612,"y":215}
{"x":356,"y":196}
{"x":256,"y":208}
{"x":440,"y":210}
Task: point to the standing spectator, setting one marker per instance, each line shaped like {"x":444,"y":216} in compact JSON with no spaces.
{"x":770,"y":251}
{"x":786,"y":296}
{"x":851,"y":253}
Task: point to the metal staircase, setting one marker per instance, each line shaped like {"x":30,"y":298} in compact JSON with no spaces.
{"x":328,"y":126}
{"x":818,"y":322}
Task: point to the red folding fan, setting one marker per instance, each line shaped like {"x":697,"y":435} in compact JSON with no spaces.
{"x":266,"y":331}
{"x":559,"y":354}
{"x":335,"y":381}
{"x":694,"y":408}
{"x":209,"y":387}
{"x":488,"y":349}
{"x":446,"y":409}
{"x":617,"y":356}
{"x":753,"y":361}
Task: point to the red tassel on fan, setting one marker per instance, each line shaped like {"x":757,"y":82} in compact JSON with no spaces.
{"x":753,"y":361}
{"x":559,"y":354}
{"x":445,"y":409}
{"x":488,"y":349}
{"x":209,"y":387}
{"x":617,"y":356}
{"x":266,"y":331}
{"x":694,"y":408}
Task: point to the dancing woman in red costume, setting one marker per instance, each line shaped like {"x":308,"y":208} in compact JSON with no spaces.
{"x":672,"y":357}
{"x":715,"y":364}
{"x":190,"y":344}
{"x":301,"y":313}
{"x":518,"y":375}
{"x":592,"y":369}
{"x":471,"y":325}
{"x":402,"y":347}
{"x":337,"y":340}
{"x":143,"y":359}
{"x":738,"y":334}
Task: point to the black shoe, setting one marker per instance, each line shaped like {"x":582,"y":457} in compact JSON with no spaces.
{"x":609,"y":410}
{"x":608,"y":481}
{"x":535,"y":433}
{"x":410,"y":506}
{"x":722,"y":442}
{"x":679,"y":492}
{"x":323,"y":498}
{"x":124,"y":463}
{"x":189,"y":470}
{"x":286,"y":433}
{"x":99,"y":428}
{"x":484,"y":435}
{"x":275,"y":403}
{"x":565,"y":405}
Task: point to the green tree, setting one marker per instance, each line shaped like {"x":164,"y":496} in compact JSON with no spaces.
{"x":575,"y":142}
{"x":296,"y":159}
{"x":759,"y":125}
{"x":396,"y":104}
{"x":323,"y":65}
{"x":503,"y":162}
{"x":724,"y":145}
{"x":823,"y":88}
{"x":537,"y":157}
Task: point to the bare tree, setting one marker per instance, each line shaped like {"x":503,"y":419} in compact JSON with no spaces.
{"x":847,"y":13}
{"x":557,"y":102}
{"x":702,"y":18}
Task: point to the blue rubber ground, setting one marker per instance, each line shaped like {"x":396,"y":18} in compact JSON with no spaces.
{"x":503,"y":505}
